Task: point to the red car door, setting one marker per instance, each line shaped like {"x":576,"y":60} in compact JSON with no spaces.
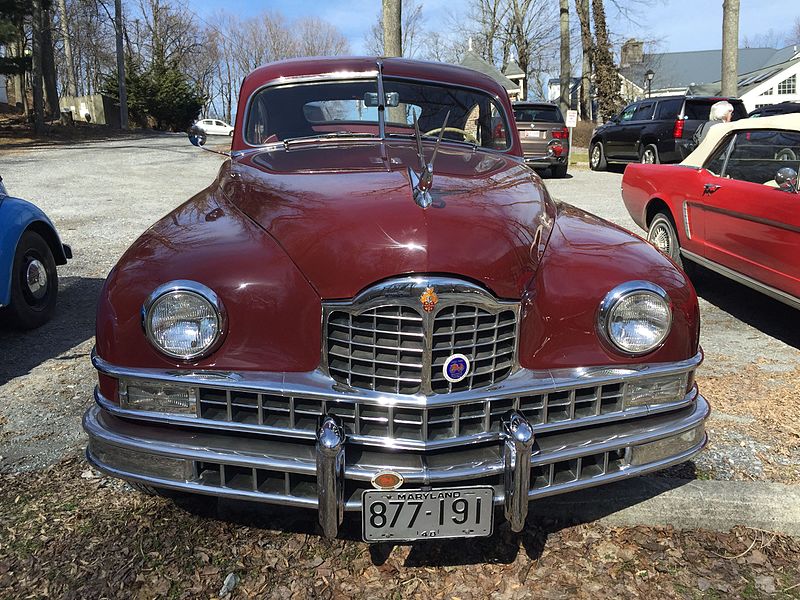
{"x":749,"y":225}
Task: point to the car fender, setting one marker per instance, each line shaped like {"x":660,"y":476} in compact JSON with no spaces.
{"x":17,"y":216}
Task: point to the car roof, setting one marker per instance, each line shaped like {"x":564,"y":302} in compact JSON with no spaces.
{"x":524,"y":103}
{"x":789,"y":122}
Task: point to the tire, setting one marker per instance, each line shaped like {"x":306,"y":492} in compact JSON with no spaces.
{"x":231,"y":133}
{"x":663,"y":236}
{"x":649,"y":155}
{"x":34,"y":284}
{"x":558,"y":171}
{"x":597,"y":157}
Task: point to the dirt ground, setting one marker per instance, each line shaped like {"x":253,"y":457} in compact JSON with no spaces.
{"x":71,"y":533}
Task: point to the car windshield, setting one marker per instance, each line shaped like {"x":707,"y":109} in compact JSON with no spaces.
{"x":337,"y":108}
{"x":541,"y":114}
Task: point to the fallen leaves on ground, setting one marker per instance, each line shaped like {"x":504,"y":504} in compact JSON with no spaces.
{"x":67,"y":535}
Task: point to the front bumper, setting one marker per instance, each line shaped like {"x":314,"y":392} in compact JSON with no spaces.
{"x":329,"y":475}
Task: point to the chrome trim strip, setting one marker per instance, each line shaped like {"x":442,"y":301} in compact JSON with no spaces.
{"x":299,"y":458}
{"x":686,"y":226}
{"x":770,"y":291}
{"x":664,"y":428}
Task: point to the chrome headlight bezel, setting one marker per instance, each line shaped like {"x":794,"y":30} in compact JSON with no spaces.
{"x":187,"y":287}
{"x":612,"y":300}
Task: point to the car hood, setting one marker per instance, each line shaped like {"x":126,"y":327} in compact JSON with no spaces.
{"x":344,"y":212}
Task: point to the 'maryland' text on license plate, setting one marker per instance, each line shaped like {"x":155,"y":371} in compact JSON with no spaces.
{"x":423,"y":514}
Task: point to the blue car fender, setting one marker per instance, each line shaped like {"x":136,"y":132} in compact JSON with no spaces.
{"x":16,"y":216}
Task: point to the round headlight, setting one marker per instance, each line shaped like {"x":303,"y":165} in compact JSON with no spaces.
{"x":184,"y":319}
{"x":635,"y":317}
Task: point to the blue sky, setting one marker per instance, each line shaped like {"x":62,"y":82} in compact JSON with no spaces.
{"x":678,"y":24}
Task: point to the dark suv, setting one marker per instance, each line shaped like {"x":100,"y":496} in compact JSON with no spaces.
{"x":544,"y":136}
{"x":654,"y":130}
{"x":783,"y":108}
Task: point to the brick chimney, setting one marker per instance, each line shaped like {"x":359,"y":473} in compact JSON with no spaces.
{"x":632,"y":53}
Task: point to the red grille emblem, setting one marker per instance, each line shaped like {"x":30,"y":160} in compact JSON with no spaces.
{"x":429,"y":299}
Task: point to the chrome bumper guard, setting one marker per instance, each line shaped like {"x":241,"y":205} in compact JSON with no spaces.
{"x":324,"y":477}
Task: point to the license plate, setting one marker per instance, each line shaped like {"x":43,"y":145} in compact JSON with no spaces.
{"x":532,"y":134}
{"x":406,"y":515}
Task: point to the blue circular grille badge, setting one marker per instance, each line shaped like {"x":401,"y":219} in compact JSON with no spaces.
{"x":455,"y":368}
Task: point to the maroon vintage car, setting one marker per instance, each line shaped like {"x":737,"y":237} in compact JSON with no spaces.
{"x":377,"y":308}
{"x":731,"y":206}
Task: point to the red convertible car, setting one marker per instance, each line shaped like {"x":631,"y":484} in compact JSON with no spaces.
{"x":377,"y":308}
{"x":731,"y":206}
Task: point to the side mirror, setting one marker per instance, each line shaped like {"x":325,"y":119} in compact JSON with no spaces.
{"x":197,"y":136}
{"x":786,"y":178}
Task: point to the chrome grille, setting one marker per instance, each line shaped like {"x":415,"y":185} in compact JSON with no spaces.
{"x":384,"y":341}
{"x":411,"y":424}
{"x":487,"y":339}
{"x":380,"y":349}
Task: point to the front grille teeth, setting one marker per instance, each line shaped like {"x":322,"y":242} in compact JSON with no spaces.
{"x":398,"y":348}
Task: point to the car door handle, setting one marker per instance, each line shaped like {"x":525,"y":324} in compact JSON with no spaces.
{"x":710,"y":188}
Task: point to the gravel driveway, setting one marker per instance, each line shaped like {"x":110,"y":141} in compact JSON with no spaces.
{"x":102,"y":195}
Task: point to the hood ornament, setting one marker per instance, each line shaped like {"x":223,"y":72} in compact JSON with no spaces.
{"x":423,"y":181}
{"x":429,"y":299}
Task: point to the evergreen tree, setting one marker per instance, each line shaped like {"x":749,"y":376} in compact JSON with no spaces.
{"x":12,"y":14}
{"x":607,"y":80}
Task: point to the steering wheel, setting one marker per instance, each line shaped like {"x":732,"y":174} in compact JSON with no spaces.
{"x":468,"y":137}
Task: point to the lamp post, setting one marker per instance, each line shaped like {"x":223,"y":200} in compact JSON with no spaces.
{"x":649,"y":75}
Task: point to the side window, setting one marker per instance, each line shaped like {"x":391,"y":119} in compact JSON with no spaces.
{"x":644,"y":112}
{"x":716,"y":163}
{"x":219,"y":123}
{"x":757,"y":155}
{"x":627,"y":114}
{"x":668,"y":110}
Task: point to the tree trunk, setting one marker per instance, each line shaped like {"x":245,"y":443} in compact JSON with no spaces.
{"x":36,"y":71}
{"x":49,"y":66}
{"x":123,"y":92}
{"x":392,"y":28}
{"x":565,"y":79}
{"x":72,"y":88}
{"x":730,"y":46}
{"x":585,"y":104}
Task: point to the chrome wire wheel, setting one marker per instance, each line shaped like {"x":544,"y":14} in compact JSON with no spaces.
{"x":663,"y":236}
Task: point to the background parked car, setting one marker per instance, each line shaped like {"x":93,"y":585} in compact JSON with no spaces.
{"x":782,"y":108}
{"x":30,"y":249}
{"x":736,"y":212}
{"x":655,"y":130}
{"x":215,"y":127}
{"x":544,"y":136}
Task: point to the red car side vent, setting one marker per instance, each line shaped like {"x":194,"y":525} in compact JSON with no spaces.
{"x":561,"y":134}
{"x":677,"y":131}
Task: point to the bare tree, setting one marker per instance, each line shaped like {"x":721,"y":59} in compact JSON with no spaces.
{"x":585,"y":104}
{"x":392,"y":28}
{"x":410,"y":31}
{"x":316,"y":37}
{"x":36,"y":71}
{"x":730,"y":46}
{"x":69,"y":64}
{"x":565,"y":77}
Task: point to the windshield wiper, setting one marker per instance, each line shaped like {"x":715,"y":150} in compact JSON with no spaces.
{"x":327,"y":136}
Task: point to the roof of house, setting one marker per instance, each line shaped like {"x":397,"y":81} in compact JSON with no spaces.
{"x":473,"y":60}
{"x":745,"y":81}
{"x":512,"y":69}
{"x":682,"y":69}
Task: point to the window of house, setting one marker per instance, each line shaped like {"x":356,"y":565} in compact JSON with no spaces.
{"x":768,"y":92}
{"x":788,"y":85}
